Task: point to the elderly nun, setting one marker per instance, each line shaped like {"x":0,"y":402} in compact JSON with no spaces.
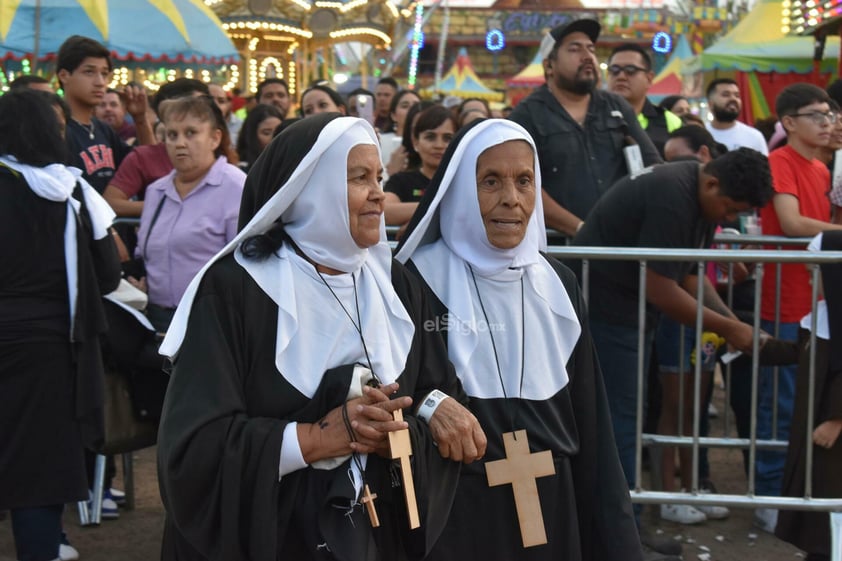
{"x":550,"y":483}
{"x":291,"y":350}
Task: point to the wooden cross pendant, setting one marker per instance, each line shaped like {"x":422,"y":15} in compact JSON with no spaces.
{"x":520,"y":469}
{"x":368,"y":501}
{"x":400,"y":448}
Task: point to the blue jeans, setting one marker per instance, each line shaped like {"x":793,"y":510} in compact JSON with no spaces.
{"x":616,"y":347}
{"x":37,"y":532}
{"x":770,"y":464}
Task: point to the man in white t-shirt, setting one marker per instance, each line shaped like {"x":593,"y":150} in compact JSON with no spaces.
{"x":725,"y":104}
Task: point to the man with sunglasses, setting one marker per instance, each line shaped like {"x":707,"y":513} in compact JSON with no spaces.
{"x":630,"y":76}
{"x":580,"y":131}
{"x":800,"y":208}
{"x":725,"y":105}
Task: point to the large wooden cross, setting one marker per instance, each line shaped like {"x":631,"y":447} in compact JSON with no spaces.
{"x":520,"y":469}
{"x":400,"y":448}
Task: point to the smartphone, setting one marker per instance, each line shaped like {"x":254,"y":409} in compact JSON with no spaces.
{"x":365,"y":107}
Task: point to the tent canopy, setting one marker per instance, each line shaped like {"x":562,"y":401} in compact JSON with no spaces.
{"x":152,"y":30}
{"x":758,"y":44}
{"x":530,"y":77}
{"x":462,"y":81}
{"x":669,"y":80}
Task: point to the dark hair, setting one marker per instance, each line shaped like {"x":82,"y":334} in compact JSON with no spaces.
{"x":792,"y":98}
{"x":248,"y":146}
{"x":633,"y":48}
{"x":393,"y":106}
{"x":269,"y":81}
{"x":284,"y":125}
{"x":712,"y":86}
{"x":696,"y":137}
{"x":180,"y":87}
{"x":669,"y":102}
{"x":59,"y":102}
{"x":834,"y":90}
{"x":337,"y":99}
{"x":27,"y":80}
{"x":412,"y":158}
{"x":460,"y":111}
{"x":360,"y":91}
{"x":693,"y":120}
{"x":204,"y":108}
{"x":766,"y":126}
{"x":76,"y":49}
{"x":389,"y":81}
{"x":29,"y":128}
{"x":743,"y":176}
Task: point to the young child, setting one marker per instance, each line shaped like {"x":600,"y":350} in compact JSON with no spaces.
{"x":810,"y":531}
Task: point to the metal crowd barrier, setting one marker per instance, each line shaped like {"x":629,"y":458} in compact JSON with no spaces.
{"x":701,"y":257}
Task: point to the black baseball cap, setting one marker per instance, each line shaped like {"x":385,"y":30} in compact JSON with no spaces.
{"x":589,"y":27}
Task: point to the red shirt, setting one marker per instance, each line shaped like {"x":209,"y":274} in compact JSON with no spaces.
{"x":140,"y":168}
{"x":809,"y":181}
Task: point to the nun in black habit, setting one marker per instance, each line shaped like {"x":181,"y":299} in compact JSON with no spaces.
{"x":807,"y":530}
{"x":272,"y":427}
{"x":517,"y":334}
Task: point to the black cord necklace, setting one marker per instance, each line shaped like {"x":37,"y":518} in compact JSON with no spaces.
{"x":367,"y":497}
{"x":358,"y":325}
{"x":90,"y":130}
{"x":512,"y":411}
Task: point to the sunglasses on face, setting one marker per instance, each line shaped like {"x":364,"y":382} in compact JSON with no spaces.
{"x":628,"y":69}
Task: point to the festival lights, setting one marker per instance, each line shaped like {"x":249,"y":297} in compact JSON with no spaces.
{"x":495,"y":40}
{"x":662,"y":43}
{"x":271,"y":61}
{"x":803,"y":17}
{"x":416,"y":45}
{"x":362,"y":31}
{"x":265,"y":25}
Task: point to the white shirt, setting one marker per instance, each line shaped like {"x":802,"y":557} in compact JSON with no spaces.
{"x":738,"y":136}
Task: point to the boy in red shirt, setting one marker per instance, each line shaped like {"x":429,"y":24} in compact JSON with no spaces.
{"x":800,"y":208}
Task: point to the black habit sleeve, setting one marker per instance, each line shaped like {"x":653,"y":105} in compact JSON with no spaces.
{"x":222,"y":429}
{"x":606,"y":522}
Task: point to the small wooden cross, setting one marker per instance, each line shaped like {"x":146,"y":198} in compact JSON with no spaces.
{"x":520,"y":469}
{"x":400,"y":448}
{"x":368,"y":501}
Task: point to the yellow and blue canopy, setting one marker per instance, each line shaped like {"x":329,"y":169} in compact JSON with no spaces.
{"x":141,"y":30}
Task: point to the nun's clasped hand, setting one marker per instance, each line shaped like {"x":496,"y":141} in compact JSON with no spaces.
{"x":360,"y":425}
{"x":372,"y":421}
{"x":457,"y":432}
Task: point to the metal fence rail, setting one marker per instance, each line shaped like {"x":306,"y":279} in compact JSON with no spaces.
{"x":701,"y":257}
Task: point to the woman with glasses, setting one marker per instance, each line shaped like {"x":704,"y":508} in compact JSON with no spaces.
{"x":190,"y":213}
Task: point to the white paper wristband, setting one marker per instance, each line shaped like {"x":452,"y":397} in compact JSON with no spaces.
{"x":430,"y":404}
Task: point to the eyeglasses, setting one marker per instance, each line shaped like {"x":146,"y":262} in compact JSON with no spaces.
{"x":818,"y":117}
{"x":629,"y":69}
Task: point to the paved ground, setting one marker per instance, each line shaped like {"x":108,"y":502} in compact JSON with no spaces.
{"x":136,"y":536}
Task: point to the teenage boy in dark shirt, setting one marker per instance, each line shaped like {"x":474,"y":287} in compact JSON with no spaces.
{"x":84,"y":70}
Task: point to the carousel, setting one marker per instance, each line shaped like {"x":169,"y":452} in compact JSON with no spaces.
{"x":304,"y":41}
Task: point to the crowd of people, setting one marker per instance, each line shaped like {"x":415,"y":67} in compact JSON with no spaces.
{"x":309,"y":360}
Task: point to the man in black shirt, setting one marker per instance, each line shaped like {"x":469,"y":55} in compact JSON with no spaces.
{"x":671,"y":206}
{"x":580,"y":131}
